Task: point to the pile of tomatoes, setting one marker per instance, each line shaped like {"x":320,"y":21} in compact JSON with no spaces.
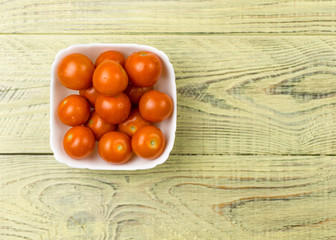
{"x":116,"y":106}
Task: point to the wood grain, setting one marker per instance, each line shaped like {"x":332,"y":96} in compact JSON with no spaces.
{"x":236,"y":95}
{"x":195,"y":197}
{"x":159,"y":17}
{"x":254,"y":155}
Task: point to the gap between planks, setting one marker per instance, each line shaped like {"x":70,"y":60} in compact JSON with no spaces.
{"x":223,"y":34}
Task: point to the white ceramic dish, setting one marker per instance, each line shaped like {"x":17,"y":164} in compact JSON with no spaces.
{"x":166,"y":84}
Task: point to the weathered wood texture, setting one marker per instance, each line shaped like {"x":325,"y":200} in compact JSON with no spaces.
{"x":195,"y":197}
{"x":218,"y":16}
{"x":236,"y":95}
{"x":255,"y":83}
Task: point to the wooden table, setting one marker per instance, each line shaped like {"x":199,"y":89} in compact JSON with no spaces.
{"x":254,"y":156}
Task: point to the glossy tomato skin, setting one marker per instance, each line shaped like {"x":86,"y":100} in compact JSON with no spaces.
{"x":74,"y":110}
{"x":110,"y":78}
{"x":133,"y":123}
{"x":113,"y":109}
{"x":144,"y":68}
{"x":155,"y":106}
{"x":112,"y":56}
{"x":98,"y":126}
{"x":115,"y":147}
{"x":79,"y":142}
{"x":148,"y":142}
{"x":75,"y":71}
{"x":135,"y":93}
{"x":90,"y":94}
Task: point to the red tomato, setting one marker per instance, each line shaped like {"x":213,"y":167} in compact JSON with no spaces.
{"x":79,"y":142}
{"x":155,"y":106}
{"x":148,"y":142}
{"x":73,"y":110}
{"x":110,"y":78}
{"x":135,"y":93}
{"x":75,"y":71}
{"x":90,"y":94}
{"x":111,"y":55}
{"x":98,"y":126}
{"x":115,"y":147}
{"x":144,"y":68}
{"x":113,"y":109}
{"x":133,"y":123}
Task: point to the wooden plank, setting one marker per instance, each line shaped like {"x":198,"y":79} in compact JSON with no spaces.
{"x":188,"y":197}
{"x":236,"y":95}
{"x":138,"y":17}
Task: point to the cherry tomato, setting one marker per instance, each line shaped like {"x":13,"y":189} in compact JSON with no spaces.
{"x":73,"y":110}
{"x":79,"y":142}
{"x":110,"y":78}
{"x":75,"y":71}
{"x":133,"y":123}
{"x":90,"y":94}
{"x":111,"y":55}
{"x":155,"y":106}
{"x":98,"y":126}
{"x":148,"y":142}
{"x":115,"y":147}
{"x":135,"y":93}
{"x":144,"y":68}
{"x":113,"y":109}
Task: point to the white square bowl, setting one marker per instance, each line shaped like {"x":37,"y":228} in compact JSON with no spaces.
{"x":165,"y":84}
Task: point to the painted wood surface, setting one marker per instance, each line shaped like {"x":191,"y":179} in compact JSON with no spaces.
{"x":160,"y":17}
{"x":254,"y":155}
{"x":236,"y":95}
{"x":194,"y":197}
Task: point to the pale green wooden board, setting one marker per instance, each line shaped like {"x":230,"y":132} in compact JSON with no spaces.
{"x":254,"y":155}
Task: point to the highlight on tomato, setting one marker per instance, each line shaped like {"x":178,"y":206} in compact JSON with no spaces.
{"x":113,"y":109}
{"x":143,"y":68}
{"x":133,"y":123}
{"x":79,"y":142}
{"x":73,"y":110}
{"x":148,"y":142}
{"x":75,"y":71}
{"x":110,"y":78}
{"x":155,"y":106}
{"x":115,"y":147}
{"x":99,"y":126}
